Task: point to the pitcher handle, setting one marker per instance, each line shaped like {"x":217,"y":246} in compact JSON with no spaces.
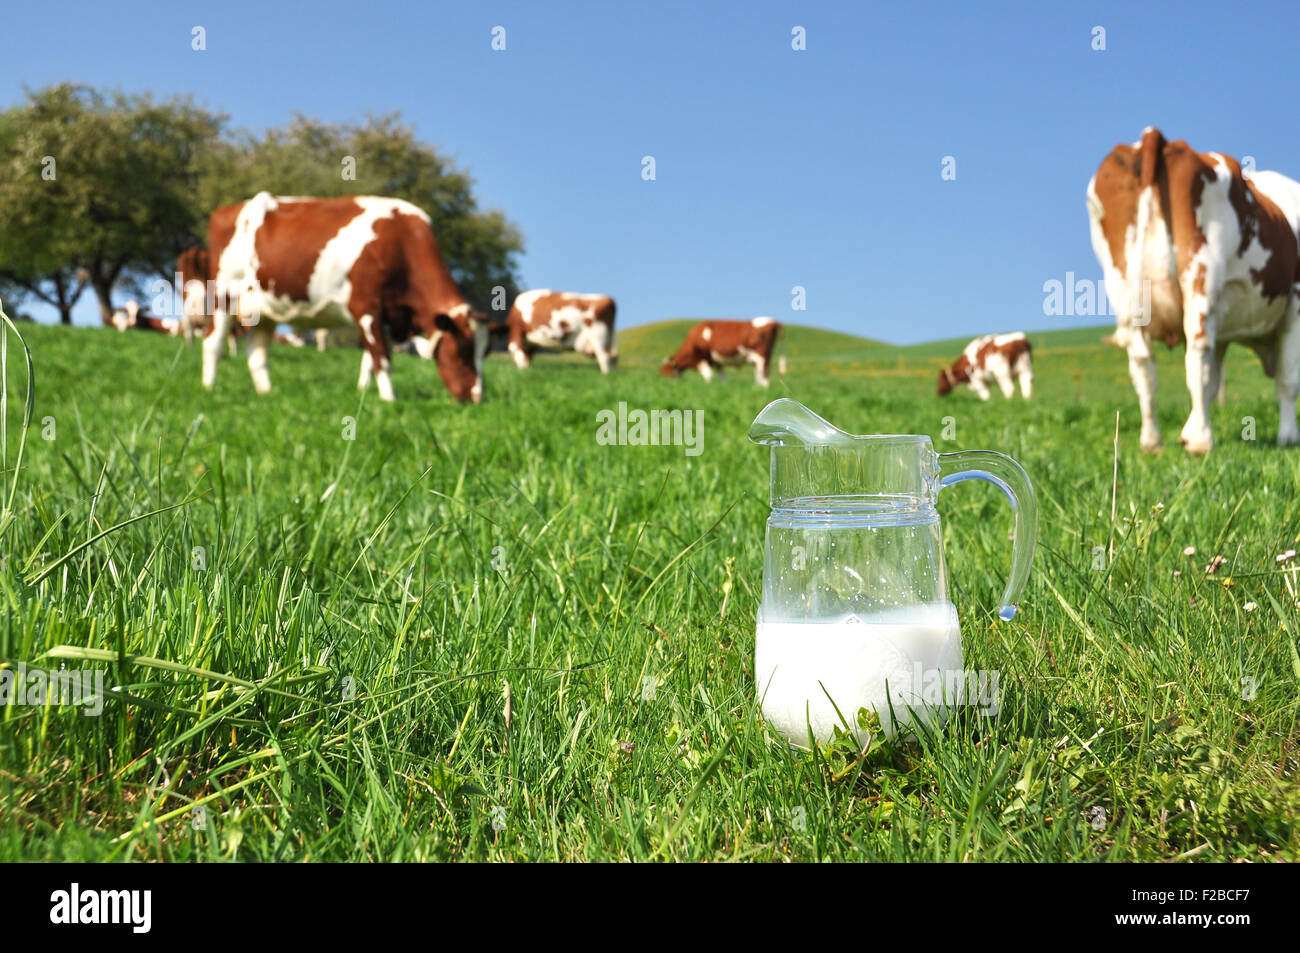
{"x":1011,"y":478}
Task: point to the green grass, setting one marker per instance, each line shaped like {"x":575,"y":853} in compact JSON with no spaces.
{"x":331,"y":681}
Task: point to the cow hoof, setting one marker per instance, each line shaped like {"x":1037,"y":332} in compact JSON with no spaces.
{"x":1197,"y":447}
{"x":1288,"y":439}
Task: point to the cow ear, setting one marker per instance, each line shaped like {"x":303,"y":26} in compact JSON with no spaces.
{"x":443,"y":323}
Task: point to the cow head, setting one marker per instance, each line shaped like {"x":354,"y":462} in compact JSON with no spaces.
{"x":950,"y":377}
{"x":669,"y":367}
{"x":458,"y":345}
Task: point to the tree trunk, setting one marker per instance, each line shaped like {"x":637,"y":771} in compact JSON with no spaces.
{"x":104,"y":293}
{"x":65,"y":314}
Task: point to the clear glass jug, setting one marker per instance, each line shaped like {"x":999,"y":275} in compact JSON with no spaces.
{"x":855,"y":611}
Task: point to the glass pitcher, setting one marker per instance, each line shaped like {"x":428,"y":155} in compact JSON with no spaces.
{"x":855,"y":611}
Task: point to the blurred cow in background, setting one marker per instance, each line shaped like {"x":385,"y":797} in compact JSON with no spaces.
{"x":561,"y":321}
{"x":1195,"y":250}
{"x":710,"y":345}
{"x":133,"y":316}
{"x":1003,"y":358}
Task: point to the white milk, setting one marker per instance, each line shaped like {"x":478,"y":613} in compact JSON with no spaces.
{"x":851,"y":659}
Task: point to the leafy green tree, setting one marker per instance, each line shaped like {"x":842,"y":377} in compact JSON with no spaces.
{"x":37,"y":241}
{"x":101,"y":191}
{"x":97,"y":190}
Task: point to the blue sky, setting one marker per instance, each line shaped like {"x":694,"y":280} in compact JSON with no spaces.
{"x":775,"y":168}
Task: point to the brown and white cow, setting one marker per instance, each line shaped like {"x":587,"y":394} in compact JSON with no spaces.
{"x":1003,"y":358}
{"x":133,"y":317}
{"x":712,"y":344}
{"x":561,"y":321}
{"x":325,"y":263}
{"x":1195,"y":250}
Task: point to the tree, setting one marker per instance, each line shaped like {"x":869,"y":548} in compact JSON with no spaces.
{"x":377,"y":157}
{"x":102,"y":191}
{"x":37,"y":241}
{"x":97,"y":190}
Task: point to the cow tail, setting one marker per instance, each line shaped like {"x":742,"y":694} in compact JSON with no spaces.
{"x":1150,"y":158}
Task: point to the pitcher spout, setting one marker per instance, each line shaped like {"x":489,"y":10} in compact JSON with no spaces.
{"x":786,"y":422}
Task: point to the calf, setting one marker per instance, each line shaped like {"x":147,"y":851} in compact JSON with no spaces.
{"x":1194,"y":250}
{"x":1003,"y":358}
{"x":323,"y":263}
{"x":561,"y":321}
{"x":712,"y":344}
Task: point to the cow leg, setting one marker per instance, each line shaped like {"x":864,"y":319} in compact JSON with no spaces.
{"x":760,"y":370}
{"x":1199,"y":363}
{"x":367,"y":370}
{"x":1142,"y":369}
{"x":1025,"y":373}
{"x":1002,"y":374}
{"x":482,"y":340}
{"x":1216,"y":379}
{"x":978,"y":386}
{"x":322,"y":339}
{"x":375,"y":359}
{"x":705,"y":369}
{"x":597,"y":336}
{"x":212,"y":345}
{"x":259,"y":343}
{"x":518,"y":346}
{"x":380,"y":365}
{"x":1288,"y":373}
{"x":383,"y":377}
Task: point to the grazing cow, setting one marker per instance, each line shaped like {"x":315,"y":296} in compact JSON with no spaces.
{"x":132,"y":316}
{"x":1003,"y":358}
{"x":712,"y":344}
{"x":324,"y":263}
{"x":561,"y":321}
{"x":1194,"y":250}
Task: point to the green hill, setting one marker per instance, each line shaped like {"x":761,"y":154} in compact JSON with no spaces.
{"x":651,"y":343}
{"x":1065,"y":338}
